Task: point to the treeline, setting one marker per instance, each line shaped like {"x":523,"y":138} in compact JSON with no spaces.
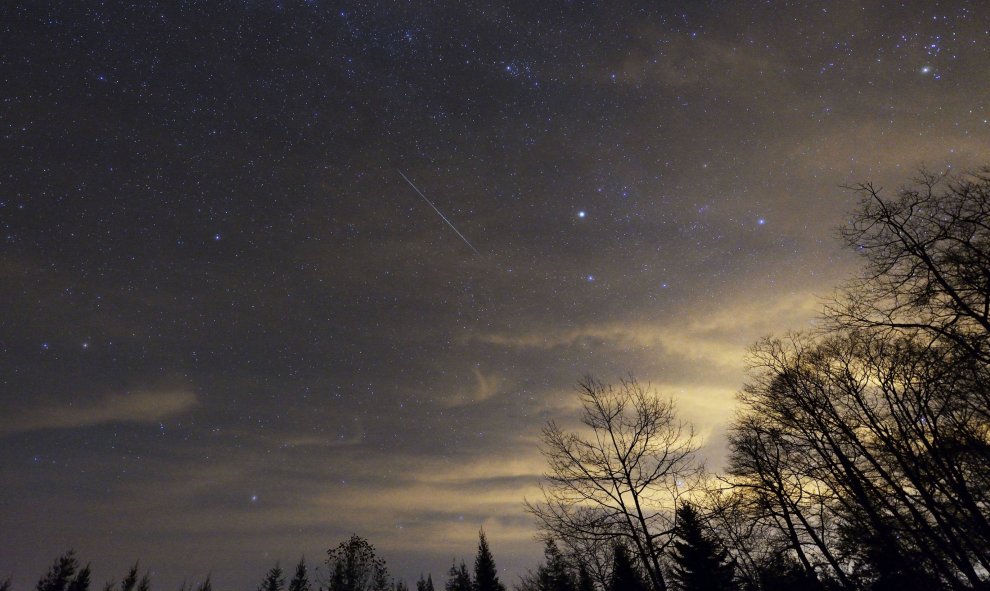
{"x":860,"y":453}
{"x":352,"y":565}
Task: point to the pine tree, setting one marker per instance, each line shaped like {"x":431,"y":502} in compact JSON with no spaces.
{"x":274,"y":580}
{"x":424,"y":584}
{"x":556,"y":574}
{"x":206,"y":585}
{"x":485,"y":573}
{"x":131,"y":581}
{"x":625,"y":575}
{"x":459,"y":579}
{"x":60,"y":574}
{"x":401,"y":585}
{"x":5,"y":584}
{"x":300,"y":581}
{"x":699,"y":564}
{"x":584,"y":580}
{"x":81,"y":581}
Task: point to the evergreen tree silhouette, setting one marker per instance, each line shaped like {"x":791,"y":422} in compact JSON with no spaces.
{"x":556,"y":574}
{"x":626,"y":576}
{"x":274,"y":580}
{"x":699,"y":564}
{"x":784,"y":574}
{"x":459,"y":579}
{"x":584,"y":580}
{"x":5,"y":584}
{"x":401,"y":585}
{"x":60,"y":574}
{"x":131,"y":581}
{"x":424,"y":584}
{"x":485,"y":573}
{"x":81,"y":581}
{"x":300,"y":581}
{"x":206,"y":585}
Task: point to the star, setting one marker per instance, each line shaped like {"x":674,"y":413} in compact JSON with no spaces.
{"x":581,"y":214}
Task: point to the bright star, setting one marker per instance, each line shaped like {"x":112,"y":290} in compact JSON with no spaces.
{"x":926,"y":69}
{"x":761,"y":221}
{"x":581,"y":214}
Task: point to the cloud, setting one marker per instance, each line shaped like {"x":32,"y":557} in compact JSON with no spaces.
{"x":717,"y":336}
{"x":139,"y":407}
{"x":486,"y":386}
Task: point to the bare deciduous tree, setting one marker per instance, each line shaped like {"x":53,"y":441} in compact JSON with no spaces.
{"x":620,"y":478}
{"x":927,"y":258}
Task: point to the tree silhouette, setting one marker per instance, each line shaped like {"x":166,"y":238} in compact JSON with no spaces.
{"x":785,"y":574}
{"x":485,"y":573}
{"x":81,"y":581}
{"x":622,"y":480}
{"x":926,"y":252}
{"x":626,"y":576}
{"x":555,"y":574}
{"x":274,"y":580}
{"x":458,"y":578}
{"x":130,"y":581}
{"x":863,"y":448}
{"x":353,"y":566}
{"x":60,"y":574}
{"x":300,"y":581}
{"x":585,"y":582}
{"x":424,"y":584}
{"x":699,"y":563}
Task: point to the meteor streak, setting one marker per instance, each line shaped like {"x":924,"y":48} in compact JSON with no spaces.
{"x":439,"y":213}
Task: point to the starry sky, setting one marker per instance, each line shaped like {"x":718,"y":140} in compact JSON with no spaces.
{"x":231,"y":332}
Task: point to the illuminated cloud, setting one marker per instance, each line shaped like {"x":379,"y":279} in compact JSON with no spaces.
{"x":718,"y":335}
{"x":139,"y":407}
{"x":486,"y":386}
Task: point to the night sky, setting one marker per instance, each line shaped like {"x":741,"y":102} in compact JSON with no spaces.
{"x":232,"y":333}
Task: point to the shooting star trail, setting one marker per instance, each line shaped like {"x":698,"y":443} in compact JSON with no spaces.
{"x":439,"y":213}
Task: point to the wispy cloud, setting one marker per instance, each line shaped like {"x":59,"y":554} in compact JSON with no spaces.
{"x":486,"y":386}
{"x":718,"y":336}
{"x":139,"y":407}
